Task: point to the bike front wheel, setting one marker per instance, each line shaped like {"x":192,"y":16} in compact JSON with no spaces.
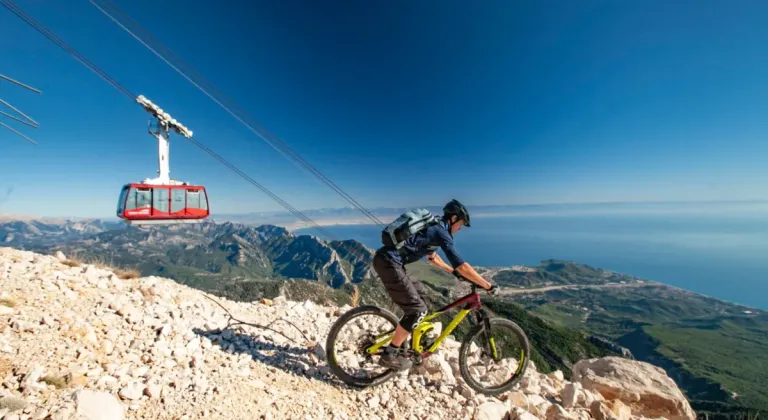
{"x":500,"y":353}
{"x":350,"y":336}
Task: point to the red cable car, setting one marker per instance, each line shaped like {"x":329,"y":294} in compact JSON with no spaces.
{"x":162,"y":200}
{"x":162,"y":204}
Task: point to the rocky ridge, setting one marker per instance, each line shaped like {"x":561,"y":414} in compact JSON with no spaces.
{"x":227,"y":251}
{"x":80,"y":343}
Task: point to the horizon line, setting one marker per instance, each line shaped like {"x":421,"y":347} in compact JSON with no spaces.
{"x":538,"y":204}
{"x":17,"y":216}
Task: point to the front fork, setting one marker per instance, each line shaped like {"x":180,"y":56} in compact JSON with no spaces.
{"x":484,"y":320}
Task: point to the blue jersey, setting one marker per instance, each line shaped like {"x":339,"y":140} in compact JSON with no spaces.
{"x":424,"y":243}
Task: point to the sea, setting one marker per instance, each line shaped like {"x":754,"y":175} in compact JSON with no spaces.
{"x":715,"y":253}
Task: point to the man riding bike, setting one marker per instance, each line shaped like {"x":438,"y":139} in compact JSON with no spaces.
{"x":407,"y":292}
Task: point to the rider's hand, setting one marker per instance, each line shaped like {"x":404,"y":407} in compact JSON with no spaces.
{"x":494,"y":289}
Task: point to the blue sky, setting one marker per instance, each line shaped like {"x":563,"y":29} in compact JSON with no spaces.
{"x":399,"y":103}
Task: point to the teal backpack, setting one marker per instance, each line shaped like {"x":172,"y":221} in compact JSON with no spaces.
{"x":408,"y":224}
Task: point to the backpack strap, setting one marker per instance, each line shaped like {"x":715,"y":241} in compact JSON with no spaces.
{"x":408,"y":224}
{"x":403,"y":252}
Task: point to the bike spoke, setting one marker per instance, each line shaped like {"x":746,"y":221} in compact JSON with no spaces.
{"x":353,"y":338}
{"x":493,"y":357}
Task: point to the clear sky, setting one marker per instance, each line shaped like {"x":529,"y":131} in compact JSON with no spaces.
{"x":400,"y":103}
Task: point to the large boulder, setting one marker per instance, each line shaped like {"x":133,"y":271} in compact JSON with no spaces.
{"x":645,"y":388}
{"x":491,"y":411}
{"x":98,"y":406}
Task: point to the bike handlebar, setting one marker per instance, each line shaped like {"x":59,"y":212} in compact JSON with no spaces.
{"x":474,"y":286}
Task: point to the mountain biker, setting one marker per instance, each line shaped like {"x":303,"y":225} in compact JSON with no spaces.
{"x":407,"y":292}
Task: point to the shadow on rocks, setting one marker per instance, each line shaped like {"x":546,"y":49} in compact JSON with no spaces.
{"x":289,"y":357}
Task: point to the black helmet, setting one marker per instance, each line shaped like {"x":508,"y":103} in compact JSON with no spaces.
{"x":458,"y":209}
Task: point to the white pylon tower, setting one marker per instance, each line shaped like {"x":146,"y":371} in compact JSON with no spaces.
{"x":163,"y":125}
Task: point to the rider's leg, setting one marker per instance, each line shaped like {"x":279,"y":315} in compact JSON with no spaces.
{"x":415,"y":310}
{"x":400,"y":335}
{"x":405,"y":293}
{"x":394,"y":355}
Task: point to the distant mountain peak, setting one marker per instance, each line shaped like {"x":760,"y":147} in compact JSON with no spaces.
{"x":274,"y":230}
{"x":202,"y":250}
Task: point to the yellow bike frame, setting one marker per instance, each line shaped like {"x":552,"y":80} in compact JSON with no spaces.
{"x":472,"y":302}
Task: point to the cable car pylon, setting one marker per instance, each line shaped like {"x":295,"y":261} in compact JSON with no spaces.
{"x":162,"y":200}
{"x":55,"y":39}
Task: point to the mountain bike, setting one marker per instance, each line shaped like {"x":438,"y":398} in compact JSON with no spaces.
{"x":472,"y":358}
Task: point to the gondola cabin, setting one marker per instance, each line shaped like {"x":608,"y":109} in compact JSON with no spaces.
{"x":162,"y":204}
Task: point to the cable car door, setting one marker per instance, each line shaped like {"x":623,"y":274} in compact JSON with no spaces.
{"x":178,"y":201}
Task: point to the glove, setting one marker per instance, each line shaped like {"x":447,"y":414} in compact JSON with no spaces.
{"x":494,"y":290}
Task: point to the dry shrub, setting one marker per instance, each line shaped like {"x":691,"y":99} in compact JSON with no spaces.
{"x":7,"y":302}
{"x":5,"y":367}
{"x":58,"y":381}
{"x":127,"y":274}
{"x":98,"y":262}
{"x":72,"y":262}
{"x":355,"y":296}
{"x":12,"y":404}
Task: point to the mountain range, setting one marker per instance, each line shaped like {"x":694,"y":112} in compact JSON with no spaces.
{"x":206,"y":254}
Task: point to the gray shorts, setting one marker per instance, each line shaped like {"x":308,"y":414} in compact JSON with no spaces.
{"x":405,"y":291}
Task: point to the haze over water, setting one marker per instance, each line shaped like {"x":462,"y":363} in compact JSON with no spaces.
{"x":719,"y":253}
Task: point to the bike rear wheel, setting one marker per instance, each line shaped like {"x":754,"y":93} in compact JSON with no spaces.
{"x":482,"y":347}
{"x":369,"y":323}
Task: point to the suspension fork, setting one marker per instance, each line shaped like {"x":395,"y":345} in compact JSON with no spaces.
{"x":484,"y":320}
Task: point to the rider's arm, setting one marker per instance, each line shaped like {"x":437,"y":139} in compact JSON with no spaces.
{"x":459,"y":264}
{"x":467,"y":271}
{"x":434,"y":259}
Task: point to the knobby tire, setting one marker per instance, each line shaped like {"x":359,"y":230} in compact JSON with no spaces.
{"x":330,"y":345}
{"x":464,"y":349}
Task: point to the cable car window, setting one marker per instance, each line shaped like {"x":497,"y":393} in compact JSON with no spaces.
{"x":193,"y":199}
{"x":121,"y":200}
{"x":130,"y":202}
{"x":203,"y":200}
{"x":143,"y":198}
{"x":160,"y":199}
{"x":178,"y":200}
